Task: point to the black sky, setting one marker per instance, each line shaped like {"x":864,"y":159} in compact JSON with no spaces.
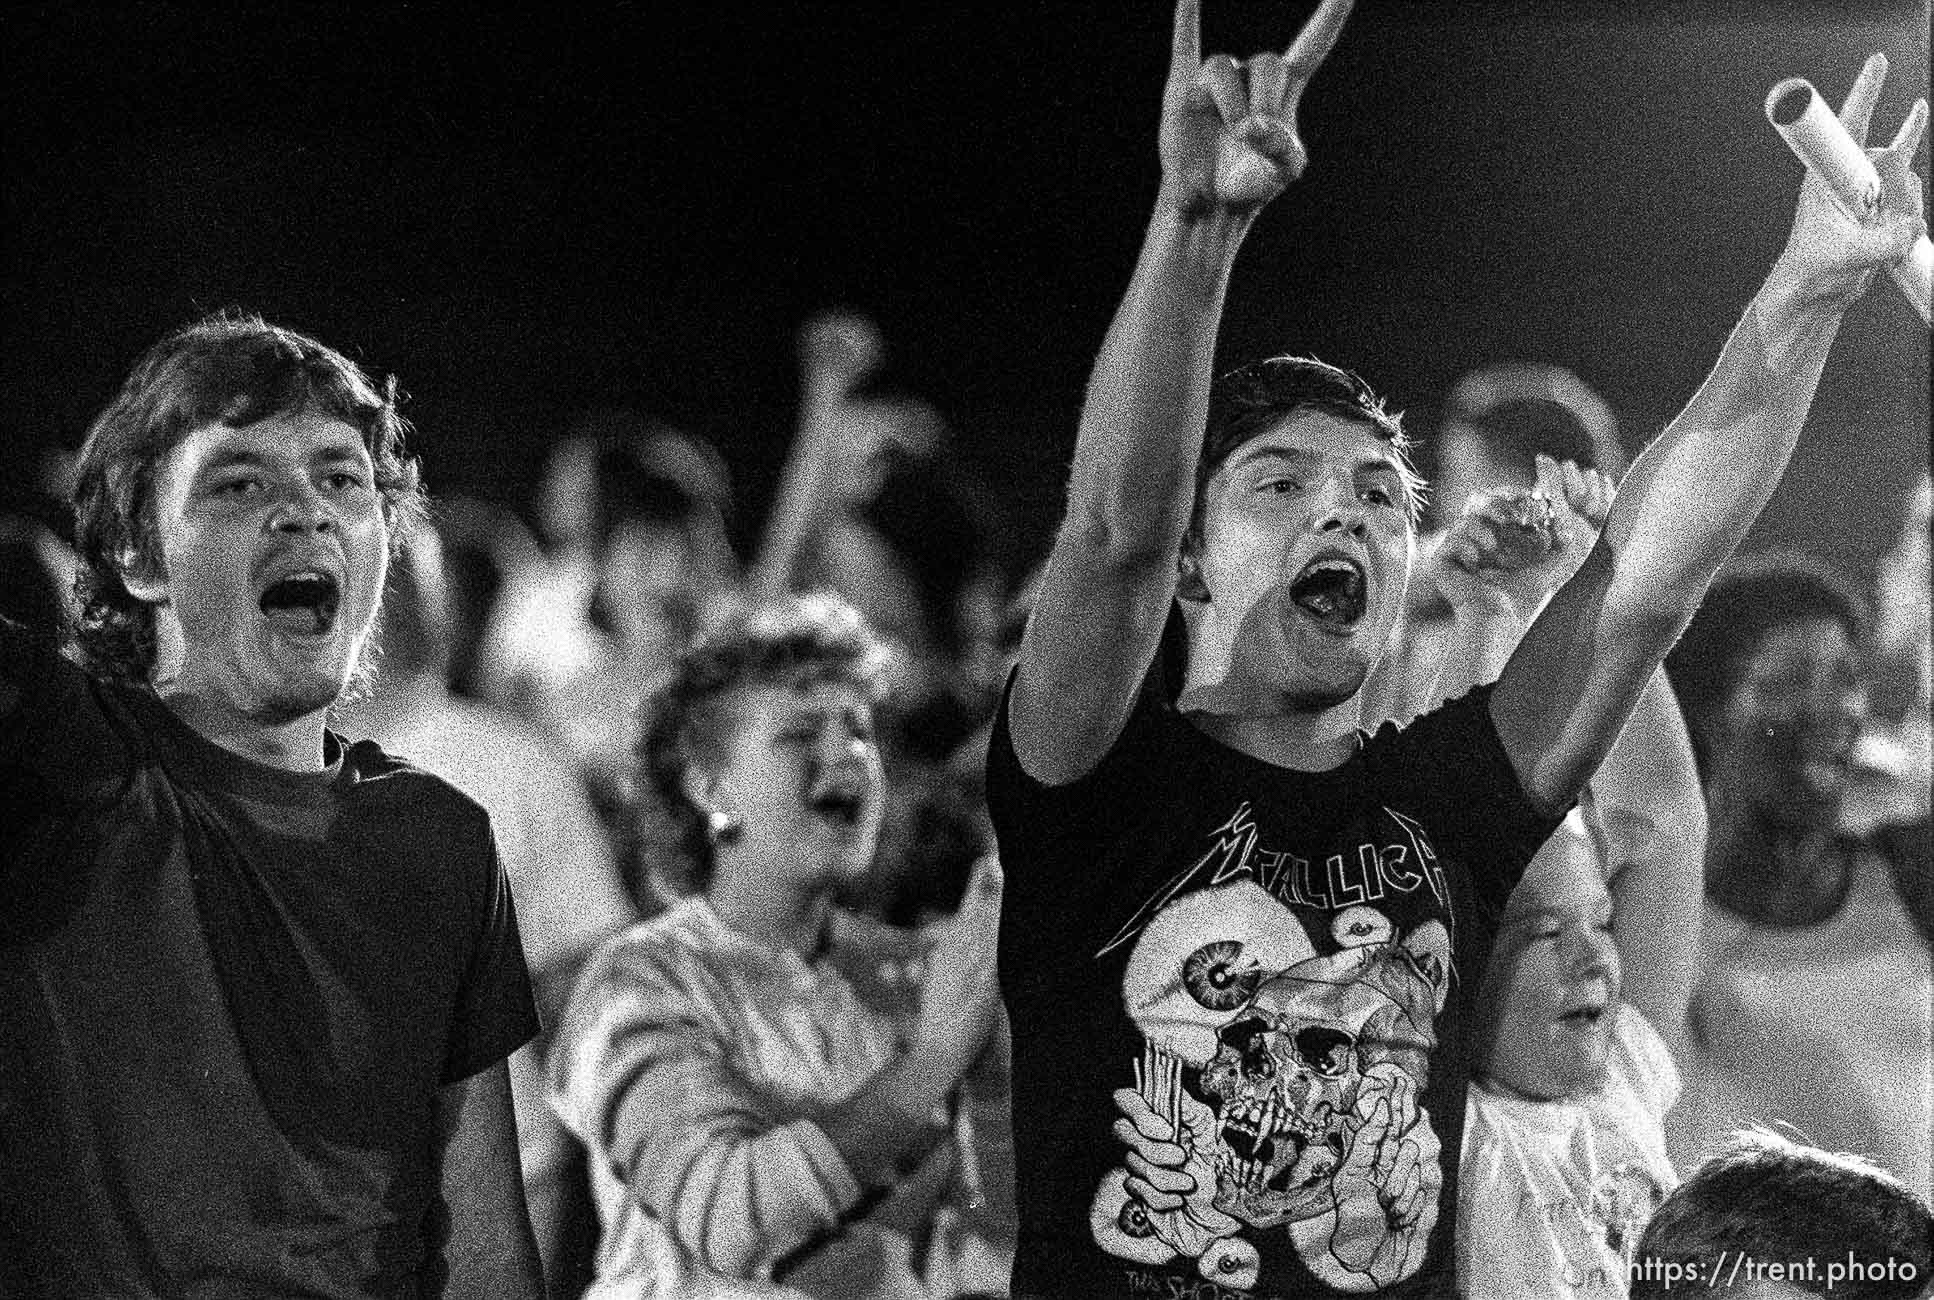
{"x":523,"y":216}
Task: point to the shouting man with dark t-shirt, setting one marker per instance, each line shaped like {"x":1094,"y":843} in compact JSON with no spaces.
{"x":257,"y":984}
{"x":1241,"y":937}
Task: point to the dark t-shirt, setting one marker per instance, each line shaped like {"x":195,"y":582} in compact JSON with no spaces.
{"x":229,"y":995}
{"x":1241,"y":999}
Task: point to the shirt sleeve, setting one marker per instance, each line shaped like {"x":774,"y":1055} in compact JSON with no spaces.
{"x":641,"y":1073}
{"x":1506,"y":1248}
{"x":495,"y":1011}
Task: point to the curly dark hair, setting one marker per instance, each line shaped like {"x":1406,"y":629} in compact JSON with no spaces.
{"x":237,"y":369}
{"x":794,"y":641}
{"x":1248,"y":401}
{"x":1753,"y":595}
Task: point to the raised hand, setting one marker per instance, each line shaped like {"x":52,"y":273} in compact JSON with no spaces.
{"x":838,"y":349}
{"x":1835,"y":252}
{"x":1519,"y":546}
{"x":1229,"y":141}
{"x":960,"y":996}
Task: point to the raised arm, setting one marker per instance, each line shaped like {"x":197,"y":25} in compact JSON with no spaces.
{"x":1228,"y":146}
{"x":838,"y":445}
{"x":1650,"y":814}
{"x":1689,"y":499}
{"x":1492,"y":570}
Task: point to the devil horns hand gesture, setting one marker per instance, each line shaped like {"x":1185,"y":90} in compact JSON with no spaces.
{"x":1229,"y":140}
{"x":1835,"y":251}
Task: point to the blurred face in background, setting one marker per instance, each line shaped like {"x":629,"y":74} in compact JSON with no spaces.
{"x":800,"y":772}
{"x":1791,"y":720}
{"x":1468,"y":465}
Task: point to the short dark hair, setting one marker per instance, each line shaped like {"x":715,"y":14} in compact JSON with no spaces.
{"x":793,"y":641}
{"x":1767,"y":1198}
{"x":1246,"y":402}
{"x":236,"y":369}
{"x":1753,"y":595}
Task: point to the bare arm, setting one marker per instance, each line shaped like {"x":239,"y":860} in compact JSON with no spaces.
{"x":480,"y":1235}
{"x":1484,"y":578}
{"x":838,"y":442}
{"x":1651,"y":817}
{"x":1228,"y":146}
{"x":1694,"y":493}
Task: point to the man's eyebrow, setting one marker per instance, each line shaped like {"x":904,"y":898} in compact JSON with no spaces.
{"x":237,"y":458}
{"x":1292,"y":455}
{"x":347,"y":450}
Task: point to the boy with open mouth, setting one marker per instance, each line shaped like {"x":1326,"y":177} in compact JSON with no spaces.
{"x":1182,"y":784}
{"x":260,"y":981}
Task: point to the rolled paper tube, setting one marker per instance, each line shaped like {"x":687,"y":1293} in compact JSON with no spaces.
{"x":1815,"y":133}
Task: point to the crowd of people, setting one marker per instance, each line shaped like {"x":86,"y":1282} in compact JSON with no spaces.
{"x":1297,"y":883}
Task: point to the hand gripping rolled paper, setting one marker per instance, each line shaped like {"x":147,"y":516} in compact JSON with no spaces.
{"x":1803,"y":119}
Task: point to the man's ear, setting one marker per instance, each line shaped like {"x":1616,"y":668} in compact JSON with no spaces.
{"x":142,"y":582}
{"x":1188,"y":570}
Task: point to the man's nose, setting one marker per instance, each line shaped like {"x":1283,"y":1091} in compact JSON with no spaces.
{"x":300,"y":508}
{"x":1343,"y":513}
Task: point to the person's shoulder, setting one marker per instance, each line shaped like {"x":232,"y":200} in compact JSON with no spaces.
{"x":1152,"y":736}
{"x":648,"y":971}
{"x":434,"y":802}
{"x":1467,"y":714}
{"x":400,"y":776}
{"x":657,"y":949}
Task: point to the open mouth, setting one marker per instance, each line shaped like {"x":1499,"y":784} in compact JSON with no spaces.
{"x":1583,"y":1017}
{"x":840,"y":803}
{"x":1331,"y":590}
{"x":302,"y":603}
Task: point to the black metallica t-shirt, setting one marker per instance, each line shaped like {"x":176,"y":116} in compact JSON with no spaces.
{"x":1241,"y":1001}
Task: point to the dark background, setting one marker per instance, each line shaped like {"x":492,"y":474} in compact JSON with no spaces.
{"x":524,"y":216}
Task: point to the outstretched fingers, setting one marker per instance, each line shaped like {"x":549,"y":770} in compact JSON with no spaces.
{"x":1318,"y":37}
{"x":1907,"y":140}
{"x":1185,"y":45}
{"x":1858,"y":111}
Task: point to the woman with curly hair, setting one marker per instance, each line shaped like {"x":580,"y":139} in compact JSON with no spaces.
{"x":761,"y":1119}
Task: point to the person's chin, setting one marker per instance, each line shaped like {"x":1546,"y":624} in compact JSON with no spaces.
{"x":298,"y":681}
{"x":1585,"y":1066}
{"x":1323,"y":671}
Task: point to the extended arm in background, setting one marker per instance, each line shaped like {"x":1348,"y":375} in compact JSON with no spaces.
{"x":839,"y":438}
{"x":480,"y":1234}
{"x":1649,"y":814}
{"x":1228,"y":146}
{"x":1495,"y":567}
{"x":1693,"y":494}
